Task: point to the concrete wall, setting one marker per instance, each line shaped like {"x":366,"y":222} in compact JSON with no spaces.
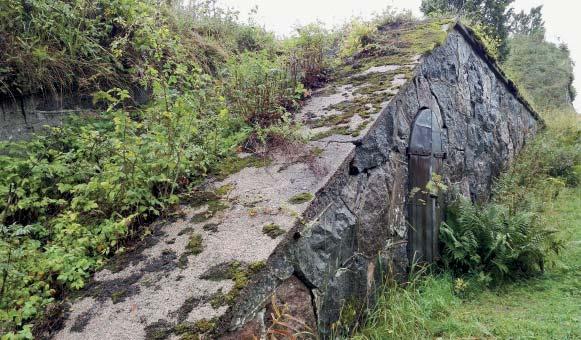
{"x":356,"y":231}
{"x":20,"y":117}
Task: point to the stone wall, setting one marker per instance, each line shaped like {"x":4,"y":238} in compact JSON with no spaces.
{"x":355,"y":232}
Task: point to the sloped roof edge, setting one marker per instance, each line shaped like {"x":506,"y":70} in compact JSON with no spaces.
{"x":473,"y":39}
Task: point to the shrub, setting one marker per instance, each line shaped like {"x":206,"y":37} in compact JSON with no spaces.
{"x":258,"y":89}
{"x":543,"y":70}
{"x":508,"y":237}
{"x":357,"y":36}
{"x":307,"y":56}
{"x":71,"y":197}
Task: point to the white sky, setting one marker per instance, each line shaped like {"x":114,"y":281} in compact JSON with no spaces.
{"x":562,"y":17}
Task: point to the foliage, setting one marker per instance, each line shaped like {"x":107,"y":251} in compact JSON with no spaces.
{"x":509,"y":236}
{"x":307,"y":55}
{"x":543,"y":70}
{"x":494,"y":16}
{"x":78,"y":191}
{"x":358,"y":35}
{"x":409,"y":311}
{"x":259,"y":89}
{"x":492,"y":241}
{"x":54,"y":46}
{"x":531,"y":24}
{"x":71,"y":197}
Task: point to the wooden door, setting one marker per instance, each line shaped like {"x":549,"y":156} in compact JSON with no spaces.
{"x":425,"y":157}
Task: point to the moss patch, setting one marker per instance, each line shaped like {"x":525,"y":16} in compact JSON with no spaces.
{"x":214,"y":206}
{"x":224,"y":189}
{"x":211,"y":227}
{"x":359,"y":128}
{"x":273,"y":230}
{"x":338,"y":130}
{"x":195,"y":246}
{"x":235,"y":164}
{"x":158,"y":330}
{"x":118,"y":296}
{"x":163,"y":329}
{"x":301,"y":198}
{"x":183,"y":260}
{"x":236,"y":271}
{"x":198,"y":198}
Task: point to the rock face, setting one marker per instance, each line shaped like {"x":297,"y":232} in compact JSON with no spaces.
{"x":343,"y":212}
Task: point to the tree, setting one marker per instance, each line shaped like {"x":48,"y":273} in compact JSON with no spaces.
{"x":495,"y":15}
{"x":531,"y":24}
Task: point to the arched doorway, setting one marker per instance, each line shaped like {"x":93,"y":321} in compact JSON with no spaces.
{"x":425,"y":158}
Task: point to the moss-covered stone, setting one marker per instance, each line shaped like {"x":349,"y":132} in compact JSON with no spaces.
{"x":301,"y":198}
{"x":273,"y":230}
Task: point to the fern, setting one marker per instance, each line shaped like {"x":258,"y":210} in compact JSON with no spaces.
{"x":493,"y":240}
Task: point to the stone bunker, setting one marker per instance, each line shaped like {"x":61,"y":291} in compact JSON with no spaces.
{"x":301,"y":242}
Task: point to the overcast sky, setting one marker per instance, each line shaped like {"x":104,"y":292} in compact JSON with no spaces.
{"x":562,"y":17}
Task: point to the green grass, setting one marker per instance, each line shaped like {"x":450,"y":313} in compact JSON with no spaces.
{"x":546,"y":307}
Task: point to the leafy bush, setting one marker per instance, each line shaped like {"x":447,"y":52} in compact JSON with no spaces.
{"x":308,"y":55}
{"x":72,"y":196}
{"x":258,"y":88}
{"x":357,"y":36}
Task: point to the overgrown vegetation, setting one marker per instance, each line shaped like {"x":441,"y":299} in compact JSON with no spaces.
{"x":511,"y":236}
{"x":71,"y":197}
{"x":543,"y":70}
